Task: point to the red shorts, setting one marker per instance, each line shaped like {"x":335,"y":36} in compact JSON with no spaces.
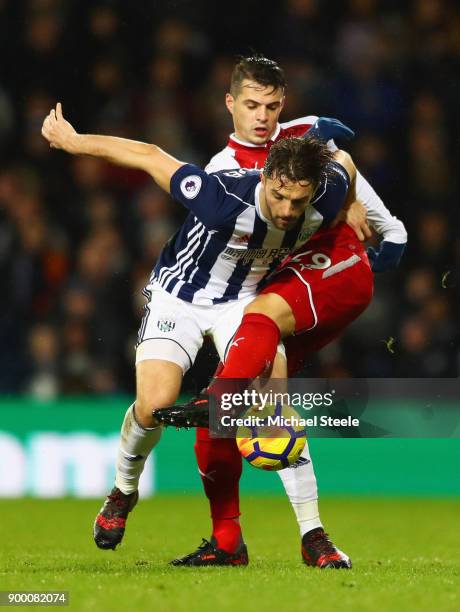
{"x":327,"y":283}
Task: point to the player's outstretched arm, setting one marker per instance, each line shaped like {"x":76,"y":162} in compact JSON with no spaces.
{"x":121,"y":151}
{"x":366,"y":207}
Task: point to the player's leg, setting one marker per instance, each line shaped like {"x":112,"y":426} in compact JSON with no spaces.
{"x":220,"y":465}
{"x":254,"y":344}
{"x":247,"y":340}
{"x":253,"y":350}
{"x":324,"y":301}
{"x":315,"y":307}
{"x":158,"y":384}
{"x":219,"y":460}
{"x":169,"y":339}
{"x":299,"y":480}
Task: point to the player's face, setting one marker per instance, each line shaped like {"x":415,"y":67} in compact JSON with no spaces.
{"x":255,"y":111}
{"x":284,"y":202}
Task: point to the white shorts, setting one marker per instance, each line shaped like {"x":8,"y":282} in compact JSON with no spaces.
{"x":173,"y":330}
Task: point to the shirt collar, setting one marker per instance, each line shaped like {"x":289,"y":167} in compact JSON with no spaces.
{"x":257,"y":201}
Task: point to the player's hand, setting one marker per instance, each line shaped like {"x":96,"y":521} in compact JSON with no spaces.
{"x":327,"y":128}
{"x":386,"y":257}
{"x":59,"y":132}
{"x":356,"y":217}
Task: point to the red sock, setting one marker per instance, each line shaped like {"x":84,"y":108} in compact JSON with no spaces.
{"x":220,"y":467}
{"x":252,"y":351}
{"x":227,"y":533}
{"x":253,"y":348}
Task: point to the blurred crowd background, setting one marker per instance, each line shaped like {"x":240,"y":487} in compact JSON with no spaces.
{"x":78,"y":238}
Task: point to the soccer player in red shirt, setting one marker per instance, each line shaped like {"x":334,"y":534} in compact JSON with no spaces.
{"x":334,"y":259}
{"x":255,"y":101}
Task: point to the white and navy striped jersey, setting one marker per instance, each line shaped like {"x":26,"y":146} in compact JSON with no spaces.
{"x":226,"y":248}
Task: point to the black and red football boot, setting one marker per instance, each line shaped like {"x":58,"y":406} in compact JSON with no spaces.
{"x":319,"y":551}
{"x":110,"y":523}
{"x":192,"y":414}
{"x":208,"y":554}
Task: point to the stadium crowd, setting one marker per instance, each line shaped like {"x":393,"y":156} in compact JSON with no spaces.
{"x":78,"y":238}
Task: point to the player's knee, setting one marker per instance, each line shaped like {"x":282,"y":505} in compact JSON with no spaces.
{"x":275,"y":308}
{"x":158,"y":386}
{"x":143,"y":412}
{"x":148,"y":402}
{"x":260,"y":305}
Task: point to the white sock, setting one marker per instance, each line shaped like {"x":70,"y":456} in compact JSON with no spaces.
{"x":302,"y":490}
{"x":135,"y":446}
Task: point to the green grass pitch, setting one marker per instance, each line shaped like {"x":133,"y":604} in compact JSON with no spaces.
{"x":406,"y":556}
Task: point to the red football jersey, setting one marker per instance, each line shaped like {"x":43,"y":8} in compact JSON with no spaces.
{"x":239,"y":154}
{"x":328,"y":283}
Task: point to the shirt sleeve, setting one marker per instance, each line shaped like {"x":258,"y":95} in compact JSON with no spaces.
{"x":204,"y":195}
{"x":385,"y":224}
{"x":332,"y":192}
{"x":224,"y":160}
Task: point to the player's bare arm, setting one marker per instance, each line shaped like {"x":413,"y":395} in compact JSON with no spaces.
{"x":120,"y":151}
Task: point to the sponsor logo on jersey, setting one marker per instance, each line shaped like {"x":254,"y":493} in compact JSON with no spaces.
{"x":263,"y":256}
{"x":190,"y":186}
{"x":166,"y":325}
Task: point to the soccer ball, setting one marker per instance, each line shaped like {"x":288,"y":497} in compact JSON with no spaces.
{"x":274,"y":441}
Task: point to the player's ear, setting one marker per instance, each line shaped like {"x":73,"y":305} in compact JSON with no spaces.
{"x":229,"y":101}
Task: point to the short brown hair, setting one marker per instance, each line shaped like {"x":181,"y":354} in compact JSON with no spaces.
{"x":299,"y":159}
{"x":257,"y":68}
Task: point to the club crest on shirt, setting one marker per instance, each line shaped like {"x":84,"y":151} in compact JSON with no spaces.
{"x":190,"y":186}
{"x":166,"y":325}
{"x":243,"y":239}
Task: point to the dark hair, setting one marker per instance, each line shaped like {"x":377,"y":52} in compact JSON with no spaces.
{"x":298,"y":159}
{"x":257,"y":68}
